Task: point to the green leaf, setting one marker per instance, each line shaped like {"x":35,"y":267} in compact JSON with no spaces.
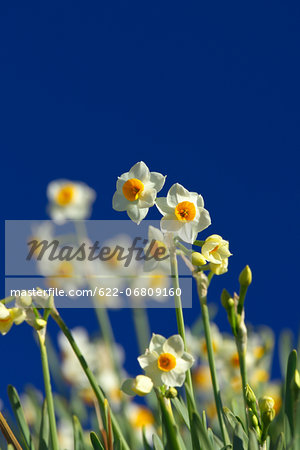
{"x":202,"y":434}
{"x":280,"y":442}
{"x":240,"y":439}
{"x":182,"y":410}
{"x":285,"y":347}
{"x":253,"y":442}
{"x":289,"y":392}
{"x":95,"y":441}
{"x":44,"y":428}
{"x":157,"y":444}
{"x":78,"y":434}
{"x":20,"y":418}
{"x":287,"y":430}
{"x":145,"y":442}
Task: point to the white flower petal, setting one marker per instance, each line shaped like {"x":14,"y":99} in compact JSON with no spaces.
{"x":155,"y":234}
{"x":177,"y":194}
{"x":184,"y":363}
{"x":163,"y":207}
{"x":156,"y":343}
{"x":188,"y":232}
{"x":174,"y":345}
{"x":121,"y":180}
{"x":170,"y":223}
{"x":147,"y":198}
{"x":146,"y":359}
{"x":173,"y":378}
{"x":204,"y":220}
{"x":119,"y":202}
{"x":200,"y":201}
{"x":139,"y":171}
{"x":136,"y":214}
{"x":158,"y":180}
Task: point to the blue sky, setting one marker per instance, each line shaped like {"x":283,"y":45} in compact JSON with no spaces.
{"x":207,"y":93}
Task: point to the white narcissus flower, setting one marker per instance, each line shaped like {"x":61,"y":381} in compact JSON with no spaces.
{"x":157,"y":251}
{"x":184,"y":213}
{"x":9,"y":316}
{"x":69,"y":200}
{"x":166,"y":362}
{"x":137,"y":190}
{"x":215,"y":249}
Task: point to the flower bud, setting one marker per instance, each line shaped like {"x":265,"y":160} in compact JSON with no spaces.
{"x":198,"y":259}
{"x":39,"y":324}
{"x":171,"y":393}
{"x":267,"y":411}
{"x":250,"y":396}
{"x":225,"y":297}
{"x":245,"y":278}
{"x":266,"y":404}
{"x":254,"y":420}
{"x":141,"y":385}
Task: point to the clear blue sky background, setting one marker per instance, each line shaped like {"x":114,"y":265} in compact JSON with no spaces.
{"x":205,"y":92}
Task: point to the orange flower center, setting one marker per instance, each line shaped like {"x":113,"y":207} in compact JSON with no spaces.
{"x":185,"y":211}
{"x":214,"y":249}
{"x":65,"y":195}
{"x":5,"y":319}
{"x":132,"y":189}
{"x":166,"y":362}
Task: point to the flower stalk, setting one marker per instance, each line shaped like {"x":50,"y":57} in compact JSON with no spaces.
{"x":202,"y":285}
{"x":90,"y":376}
{"x":48,"y":389}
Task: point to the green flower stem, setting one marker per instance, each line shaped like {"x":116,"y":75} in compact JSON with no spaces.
{"x":243,"y":371}
{"x":211,"y":359}
{"x":181,"y":330}
{"x":90,"y":376}
{"x":48,"y":390}
{"x":169,"y":422}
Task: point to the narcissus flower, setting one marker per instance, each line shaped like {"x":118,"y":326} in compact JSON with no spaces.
{"x":157,"y":251}
{"x":215,"y":249}
{"x":165,"y":361}
{"x":219,"y":269}
{"x":137,"y":190}
{"x":69,"y":200}
{"x":9,"y":316}
{"x":183,"y":212}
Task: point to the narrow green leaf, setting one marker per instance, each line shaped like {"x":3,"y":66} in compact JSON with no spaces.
{"x":157,"y":444}
{"x":289,"y":393}
{"x":78,"y":434}
{"x":202,"y":434}
{"x":285,"y":347}
{"x":145,"y":442}
{"x":182,"y":410}
{"x":240,"y":439}
{"x":287,"y":430}
{"x":280,"y":442}
{"x":253,"y":442}
{"x":95,"y":441}
{"x":44,"y":428}
{"x":20,"y":418}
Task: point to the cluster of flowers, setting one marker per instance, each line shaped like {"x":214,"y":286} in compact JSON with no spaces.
{"x":167,"y":363}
